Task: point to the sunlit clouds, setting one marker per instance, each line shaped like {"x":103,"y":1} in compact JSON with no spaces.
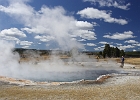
{"x":93,"y":13}
{"x":121,"y":36}
{"x":111,"y":3}
{"x":51,"y":22}
{"x":49,"y":25}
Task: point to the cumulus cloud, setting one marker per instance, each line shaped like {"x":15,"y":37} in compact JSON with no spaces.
{"x":24,"y":44}
{"x":111,"y":3}
{"x":121,"y":36}
{"x":82,"y":40}
{"x":47,"y":21}
{"x":91,"y":44}
{"x":99,"y":48}
{"x":119,"y":44}
{"x":85,"y":31}
{"x":123,"y":47}
{"x":44,"y":38}
{"x":112,"y":46}
{"x":14,"y":32}
{"x":131,"y":41}
{"x":18,"y":8}
{"x":85,"y":34}
{"x":9,"y":38}
{"x":103,"y":42}
{"x":93,"y":13}
{"x":25,"y":47}
{"x":136,"y":44}
{"x":84,"y":25}
{"x":134,"y":50}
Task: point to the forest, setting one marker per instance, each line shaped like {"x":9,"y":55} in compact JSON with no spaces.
{"x":110,"y":52}
{"x":115,"y":52}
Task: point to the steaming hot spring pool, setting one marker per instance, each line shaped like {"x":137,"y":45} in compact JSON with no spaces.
{"x":64,"y":72}
{"x":72,"y":76}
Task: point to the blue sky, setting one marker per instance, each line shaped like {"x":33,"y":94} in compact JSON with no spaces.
{"x":66,"y":24}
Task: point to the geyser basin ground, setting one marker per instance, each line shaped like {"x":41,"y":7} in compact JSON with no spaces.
{"x":68,"y":73}
{"x":120,"y":87}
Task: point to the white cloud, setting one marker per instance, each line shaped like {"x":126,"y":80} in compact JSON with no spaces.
{"x":95,"y":24}
{"x":35,"y":30}
{"x":9,"y":38}
{"x":121,"y":36}
{"x":102,"y":46}
{"x":25,"y":47}
{"x":99,"y":48}
{"x":19,"y":8}
{"x":119,"y":44}
{"x":13,"y":32}
{"x":103,"y":42}
{"x":25,"y":43}
{"x":84,"y":31}
{"x":137,"y":44}
{"x":47,"y":21}
{"x":131,"y":41}
{"x":84,"y":25}
{"x":123,"y":47}
{"x":91,"y":44}
{"x":96,"y":49}
{"x":110,"y":3}
{"x":85,"y":34}
{"x":93,"y":13}
{"x":82,"y":40}
{"x":44,"y":38}
{"x":112,"y":46}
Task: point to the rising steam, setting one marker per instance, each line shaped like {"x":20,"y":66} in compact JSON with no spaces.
{"x":47,"y":70}
{"x":54,"y":69}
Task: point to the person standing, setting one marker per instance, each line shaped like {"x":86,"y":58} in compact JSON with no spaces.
{"x":122,"y":61}
{"x":97,"y":58}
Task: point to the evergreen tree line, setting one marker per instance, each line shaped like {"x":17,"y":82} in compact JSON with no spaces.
{"x":111,"y":52}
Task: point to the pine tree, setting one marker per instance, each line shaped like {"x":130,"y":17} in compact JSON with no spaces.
{"x":112,"y":52}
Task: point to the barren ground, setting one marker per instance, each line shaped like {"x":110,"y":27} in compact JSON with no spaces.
{"x":112,"y":89}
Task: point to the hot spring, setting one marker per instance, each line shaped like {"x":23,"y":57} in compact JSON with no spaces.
{"x":54,"y":69}
{"x":57,"y":70}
